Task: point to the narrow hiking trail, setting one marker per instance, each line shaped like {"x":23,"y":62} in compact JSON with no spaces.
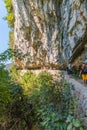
{"x":81,"y":93}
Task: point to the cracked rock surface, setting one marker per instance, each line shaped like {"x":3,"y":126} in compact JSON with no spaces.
{"x":48,"y":31}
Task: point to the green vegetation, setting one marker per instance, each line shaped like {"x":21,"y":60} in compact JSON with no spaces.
{"x":6,"y":55}
{"x":35,"y":100}
{"x":11,"y":39}
{"x":76,"y":72}
{"x":29,"y":101}
{"x":10,"y":14}
{"x":9,"y":92}
{"x":10,"y":19}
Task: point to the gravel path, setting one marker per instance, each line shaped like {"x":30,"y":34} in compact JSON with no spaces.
{"x":81,"y":92}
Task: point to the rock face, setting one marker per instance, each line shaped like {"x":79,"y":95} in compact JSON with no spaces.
{"x":47,"y":32}
{"x":74,"y":28}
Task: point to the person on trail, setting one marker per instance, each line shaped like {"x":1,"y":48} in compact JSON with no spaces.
{"x":69,"y":69}
{"x":82,"y":72}
{"x":85,"y":74}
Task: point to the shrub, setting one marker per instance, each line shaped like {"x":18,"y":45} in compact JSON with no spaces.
{"x":36,"y":100}
{"x":53,"y":104}
{"x":10,"y":15}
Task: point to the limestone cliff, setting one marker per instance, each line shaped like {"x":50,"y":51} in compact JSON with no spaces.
{"x":47,"y":32}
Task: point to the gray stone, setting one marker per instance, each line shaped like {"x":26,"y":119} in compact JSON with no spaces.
{"x":46,"y":29}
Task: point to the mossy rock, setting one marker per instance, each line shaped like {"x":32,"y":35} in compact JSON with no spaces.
{"x":35,"y":128}
{"x":34,"y":66}
{"x":27,"y":32}
{"x":36,"y":45}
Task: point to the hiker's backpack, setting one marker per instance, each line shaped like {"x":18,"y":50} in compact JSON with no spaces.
{"x":85,"y":70}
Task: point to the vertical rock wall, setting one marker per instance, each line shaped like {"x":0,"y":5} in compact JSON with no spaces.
{"x":74,"y":27}
{"x":47,"y":32}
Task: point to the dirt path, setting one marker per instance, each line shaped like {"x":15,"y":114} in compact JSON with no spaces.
{"x":81,"y":92}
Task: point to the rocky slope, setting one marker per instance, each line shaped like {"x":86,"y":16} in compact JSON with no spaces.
{"x":49,"y":32}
